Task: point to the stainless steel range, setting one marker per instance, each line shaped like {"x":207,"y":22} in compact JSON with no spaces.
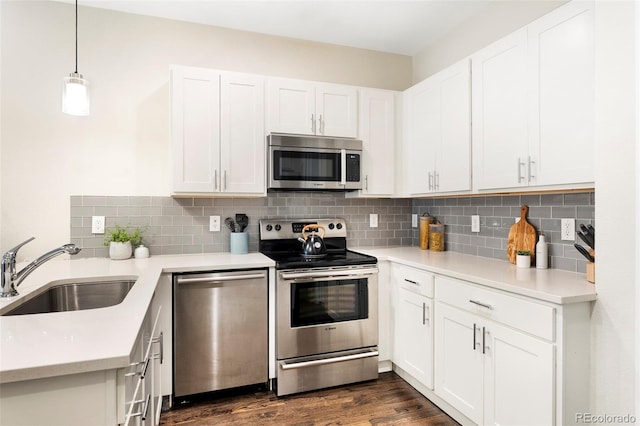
{"x":326,"y":307}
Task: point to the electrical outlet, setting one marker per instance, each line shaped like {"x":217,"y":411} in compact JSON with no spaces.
{"x":568,"y":229}
{"x":97,"y":224}
{"x":475,"y":223}
{"x":414,"y":220}
{"x":214,"y":223}
{"x":373,"y":220}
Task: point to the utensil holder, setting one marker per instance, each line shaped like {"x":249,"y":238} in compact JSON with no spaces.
{"x":239,"y":242}
{"x":591,"y":272}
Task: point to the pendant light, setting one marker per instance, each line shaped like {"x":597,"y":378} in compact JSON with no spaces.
{"x":75,"y":90}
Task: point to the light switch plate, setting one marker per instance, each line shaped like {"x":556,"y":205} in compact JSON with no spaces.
{"x":214,"y":223}
{"x":475,"y":223}
{"x":97,"y":224}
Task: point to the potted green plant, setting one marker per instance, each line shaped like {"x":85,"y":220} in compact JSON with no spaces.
{"x":523,"y":259}
{"x":122,"y":240}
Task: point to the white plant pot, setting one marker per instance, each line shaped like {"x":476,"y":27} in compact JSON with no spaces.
{"x":523,"y":261}
{"x":120,"y":251}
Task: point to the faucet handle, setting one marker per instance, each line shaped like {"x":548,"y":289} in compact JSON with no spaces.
{"x":12,"y":252}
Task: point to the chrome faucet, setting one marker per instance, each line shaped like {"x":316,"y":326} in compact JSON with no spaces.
{"x":12,"y":279}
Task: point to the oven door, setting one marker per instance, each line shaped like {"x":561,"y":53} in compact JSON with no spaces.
{"x":313,"y":168}
{"x":326,"y":310}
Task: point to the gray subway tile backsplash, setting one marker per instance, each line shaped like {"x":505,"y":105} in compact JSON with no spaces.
{"x":181,"y":225}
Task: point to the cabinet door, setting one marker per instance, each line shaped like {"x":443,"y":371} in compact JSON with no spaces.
{"x":561,"y":52}
{"x":424,"y":135}
{"x":292,"y":106}
{"x":458,"y":369}
{"x":519,"y":378}
{"x":242,"y":137}
{"x":414,"y":334}
{"x":195,"y":123}
{"x":499,"y":109}
{"x":453,"y":160}
{"x":377,"y":131}
{"x":337,"y":111}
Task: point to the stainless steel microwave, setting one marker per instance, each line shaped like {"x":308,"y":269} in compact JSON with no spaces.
{"x":299,"y":162}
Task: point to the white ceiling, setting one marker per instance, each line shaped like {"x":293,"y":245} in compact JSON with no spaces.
{"x":397,"y":26}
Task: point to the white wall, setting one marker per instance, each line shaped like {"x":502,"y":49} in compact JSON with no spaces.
{"x":496,"y":20}
{"x":614,"y":317}
{"x":123,"y":147}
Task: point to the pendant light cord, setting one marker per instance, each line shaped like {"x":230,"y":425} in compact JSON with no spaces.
{"x":76,"y":71}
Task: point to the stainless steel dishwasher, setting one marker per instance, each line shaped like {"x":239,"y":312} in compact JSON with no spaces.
{"x":220,"y":330}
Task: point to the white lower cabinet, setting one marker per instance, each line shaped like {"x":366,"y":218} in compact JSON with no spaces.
{"x":491,"y":373}
{"x":507,"y":359}
{"x":413,"y":331}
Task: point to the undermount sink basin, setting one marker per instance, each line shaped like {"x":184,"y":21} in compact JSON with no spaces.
{"x":76,"y":296}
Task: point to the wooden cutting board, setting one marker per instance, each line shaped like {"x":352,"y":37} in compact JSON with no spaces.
{"x":522,"y":236}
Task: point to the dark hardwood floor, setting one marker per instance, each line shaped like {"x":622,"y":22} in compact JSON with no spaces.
{"x":386,"y":401}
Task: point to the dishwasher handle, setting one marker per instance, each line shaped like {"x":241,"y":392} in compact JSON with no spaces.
{"x":217,"y":279}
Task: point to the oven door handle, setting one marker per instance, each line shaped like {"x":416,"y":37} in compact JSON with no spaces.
{"x":302,"y":364}
{"x":328,"y":274}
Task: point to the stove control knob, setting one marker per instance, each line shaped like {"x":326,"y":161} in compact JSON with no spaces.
{"x":278,"y":227}
{"x":339,"y":225}
{"x":331,"y":226}
{"x":269,"y":227}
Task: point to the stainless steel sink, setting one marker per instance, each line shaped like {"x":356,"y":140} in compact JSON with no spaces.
{"x":76,"y":296}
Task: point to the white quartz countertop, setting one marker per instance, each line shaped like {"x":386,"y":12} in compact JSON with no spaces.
{"x":60,"y":343}
{"x":550,"y":285}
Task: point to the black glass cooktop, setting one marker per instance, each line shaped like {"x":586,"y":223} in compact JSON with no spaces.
{"x":295,"y":260}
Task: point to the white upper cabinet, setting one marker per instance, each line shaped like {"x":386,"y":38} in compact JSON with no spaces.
{"x":561,"y":69}
{"x":377,"y":131}
{"x":533,"y":104}
{"x":500,"y":113}
{"x":218,"y":140}
{"x":310,"y":108}
{"x":195,"y":120}
{"x":438,"y":144}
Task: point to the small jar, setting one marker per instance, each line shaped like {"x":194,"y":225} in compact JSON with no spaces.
{"x":436,"y":237}
{"x":141,"y":252}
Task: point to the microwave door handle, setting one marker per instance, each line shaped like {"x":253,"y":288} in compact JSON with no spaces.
{"x":343,"y":166}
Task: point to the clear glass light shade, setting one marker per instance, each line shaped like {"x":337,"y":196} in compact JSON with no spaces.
{"x":75,"y":95}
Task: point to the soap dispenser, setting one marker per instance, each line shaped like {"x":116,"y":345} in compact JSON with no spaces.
{"x":542,"y":253}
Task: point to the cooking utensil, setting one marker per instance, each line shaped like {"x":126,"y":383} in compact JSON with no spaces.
{"x":230,"y":224}
{"x":587,"y":239}
{"x":522,"y":237}
{"x":583,"y":251}
{"x":242,"y":220}
{"x":313,"y":245}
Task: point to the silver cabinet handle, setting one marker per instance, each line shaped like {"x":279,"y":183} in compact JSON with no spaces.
{"x":366,"y":182}
{"x":225,"y":180}
{"x":474,"y":336}
{"x":145,"y":410}
{"x":436,"y":181}
{"x":215,"y":180}
{"x":484,"y":305}
{"x":183,"y":280}
{"x":412,"y":282}
{"x":530,"y":173}
{"x":483,"y":342}
{"x":424,"y":313}
{"x":313,"y":124}
{"x":430,"y":182}
{"x":321,"y":125}
{"x":520,"y":164}
{"x":160,"y":339}
{"x":286,"y":365}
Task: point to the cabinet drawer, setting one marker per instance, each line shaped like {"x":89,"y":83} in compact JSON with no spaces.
{"x":525,"y":315}
{"x":413,"y":279}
